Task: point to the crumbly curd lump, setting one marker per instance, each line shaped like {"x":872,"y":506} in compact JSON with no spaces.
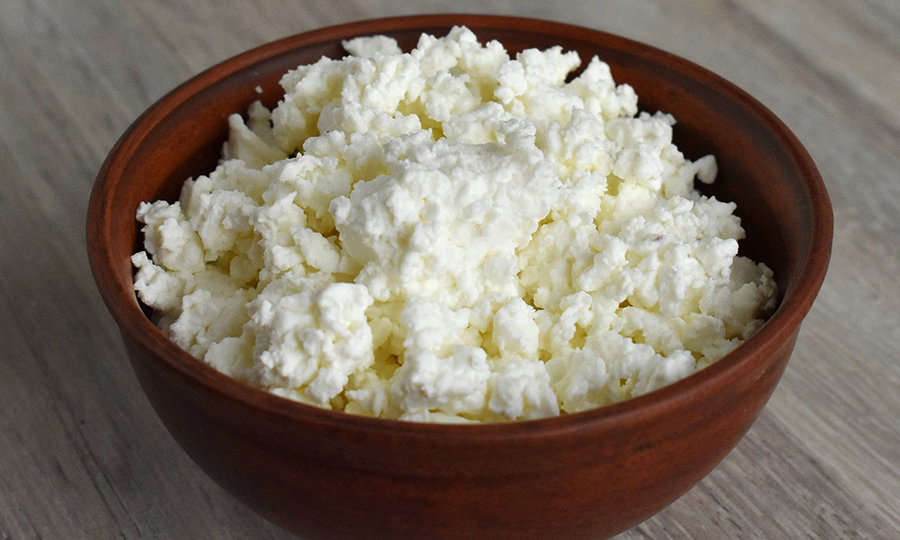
{"x":452,"y":235}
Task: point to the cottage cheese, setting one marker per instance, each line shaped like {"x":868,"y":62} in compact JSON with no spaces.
{"x":452,"y":235}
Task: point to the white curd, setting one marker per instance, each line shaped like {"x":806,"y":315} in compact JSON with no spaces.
{"x":452,"y":235}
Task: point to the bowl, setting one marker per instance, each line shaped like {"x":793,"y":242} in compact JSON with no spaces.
{"x":326,"y":474}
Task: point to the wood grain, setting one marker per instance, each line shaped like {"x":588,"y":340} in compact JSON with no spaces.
{"x":82,"y":455}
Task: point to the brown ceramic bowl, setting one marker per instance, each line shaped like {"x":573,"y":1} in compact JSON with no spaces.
{"x":326,"y":474}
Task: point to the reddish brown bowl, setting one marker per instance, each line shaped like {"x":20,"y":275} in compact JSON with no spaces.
{"x":326,"y":474}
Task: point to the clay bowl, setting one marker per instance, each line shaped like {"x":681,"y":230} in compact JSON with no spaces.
{"x":326,"y":474}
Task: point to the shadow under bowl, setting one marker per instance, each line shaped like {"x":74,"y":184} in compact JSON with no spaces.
{"x":326,"y":474}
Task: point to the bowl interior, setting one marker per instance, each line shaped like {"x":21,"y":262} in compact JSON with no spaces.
{"x":762,"y":167}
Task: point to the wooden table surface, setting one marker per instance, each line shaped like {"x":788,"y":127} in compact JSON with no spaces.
{"x":82,"y":454}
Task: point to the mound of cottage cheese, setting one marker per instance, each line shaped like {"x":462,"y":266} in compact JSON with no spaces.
{"x":452,"y":235}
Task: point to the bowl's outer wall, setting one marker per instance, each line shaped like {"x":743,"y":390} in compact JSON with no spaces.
{"x":329,"y":475}
{"x":326,"y":483}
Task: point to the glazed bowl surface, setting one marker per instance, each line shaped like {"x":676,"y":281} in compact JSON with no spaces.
{"x":328,"y":475}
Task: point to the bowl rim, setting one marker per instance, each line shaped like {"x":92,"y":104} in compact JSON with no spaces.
{"x":135,"y":326}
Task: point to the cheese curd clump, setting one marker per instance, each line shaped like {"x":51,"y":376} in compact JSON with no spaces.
{"x":452,"y":235}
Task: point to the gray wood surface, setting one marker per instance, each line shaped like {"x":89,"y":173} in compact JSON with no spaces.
{"x":82,"y":455}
